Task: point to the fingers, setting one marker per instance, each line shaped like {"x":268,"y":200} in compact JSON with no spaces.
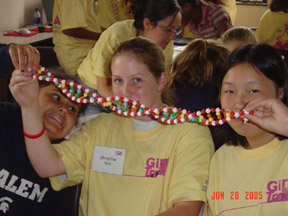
{"x":33,"y":58}
{"x":19,"y":77}
{"x":24,"y":56}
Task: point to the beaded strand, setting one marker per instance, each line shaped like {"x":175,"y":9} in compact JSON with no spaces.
{"x":126,"y":107}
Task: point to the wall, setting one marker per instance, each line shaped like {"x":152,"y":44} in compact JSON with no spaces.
{"x":16,"y":14}
{"x":249,"y":15}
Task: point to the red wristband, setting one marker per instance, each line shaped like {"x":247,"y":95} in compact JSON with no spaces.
{"x":35,"y":136}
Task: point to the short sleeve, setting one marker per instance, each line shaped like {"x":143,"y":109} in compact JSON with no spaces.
{"x":73,"y":156}
{"x":219,"y":14}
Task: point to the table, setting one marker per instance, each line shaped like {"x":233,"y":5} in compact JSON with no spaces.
{"x":37,"y":39}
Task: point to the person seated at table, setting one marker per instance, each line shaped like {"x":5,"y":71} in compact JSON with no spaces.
{"x":273,"y":25}
{"x":155,"y":20}
{"x":203,"y":19}
{"x":22,"y":191}
{"x":112,"y":11}
{"x":194,"y":74}
{"x":75,"y":32}
{"x":161,"y":169}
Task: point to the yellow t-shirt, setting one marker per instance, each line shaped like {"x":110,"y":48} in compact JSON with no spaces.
{"x":111,"y":11}
{"x":68,"y":14}
{"x":162,"y":166}
{"x":273,"y":29}
{"x":97,"y":61}
{"x":249,"y":182}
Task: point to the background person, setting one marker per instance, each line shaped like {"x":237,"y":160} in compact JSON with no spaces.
{"x":75,"y":32}
{"x":238,"y":36}
{"x":203,"y":19}
{"x":155,"y":20}
{"x":273,"y":25}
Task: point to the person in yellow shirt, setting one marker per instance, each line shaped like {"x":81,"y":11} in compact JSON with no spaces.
{"x":155,"y":20}
{"x":248,"y":174}
{"x":75,"y":31}
{"x":127,"y":166}
{"x":111,"y":11}
{"x":273,"y":25}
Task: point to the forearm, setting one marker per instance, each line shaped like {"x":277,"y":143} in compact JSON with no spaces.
{"x":188,"y":208}
{"x":44,"y":158}
{"x":82,"y":33}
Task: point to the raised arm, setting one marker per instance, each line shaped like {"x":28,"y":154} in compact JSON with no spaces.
{"x":44,"y":158}
{"x":270,"y":114}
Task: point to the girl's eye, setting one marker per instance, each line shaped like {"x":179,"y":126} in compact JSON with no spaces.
{"x":118,"y":81}
{"x":229,"y":91}
{"x":253,"y":91}
{"x":137,"y":80}
{"x":56,"y":97}
{"x":72,"y":109}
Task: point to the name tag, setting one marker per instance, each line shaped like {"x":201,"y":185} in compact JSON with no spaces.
{"x":108,"y":160}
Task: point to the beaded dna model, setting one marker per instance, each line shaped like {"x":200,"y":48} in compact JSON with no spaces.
{"x":127,"y":107}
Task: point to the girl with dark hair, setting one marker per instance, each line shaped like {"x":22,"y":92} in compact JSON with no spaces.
{"x":273,"y":25}
{"x":158,"y":21}
{"x":204,"y":19}
{"x":250,"y":169}
{"x":22,"y":191}
{"x":127,"y":166}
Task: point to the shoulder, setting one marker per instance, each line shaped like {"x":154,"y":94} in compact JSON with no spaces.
{"x":222,"y":153}
{"x":192,"y":134}
{"x":104,"y":120}
{"x":121,"y":29}
{"x":116,"y":34}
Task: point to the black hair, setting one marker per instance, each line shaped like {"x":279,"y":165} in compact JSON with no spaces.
{"x":154,"y":10}
{"x":279,"y":5}
{"x":267,"y":60}
{"x":61,"y":74}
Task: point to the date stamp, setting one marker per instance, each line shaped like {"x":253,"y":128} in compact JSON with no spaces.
{"x":236,"y":195}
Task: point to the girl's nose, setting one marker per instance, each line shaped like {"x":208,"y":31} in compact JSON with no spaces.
{"x":62,"y":109}
{"x":127,"y":90}
{"x":240,"y":101}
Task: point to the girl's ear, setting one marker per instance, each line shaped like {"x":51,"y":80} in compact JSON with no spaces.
{"x":162,"y":81}
{"x":147,"y":24}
